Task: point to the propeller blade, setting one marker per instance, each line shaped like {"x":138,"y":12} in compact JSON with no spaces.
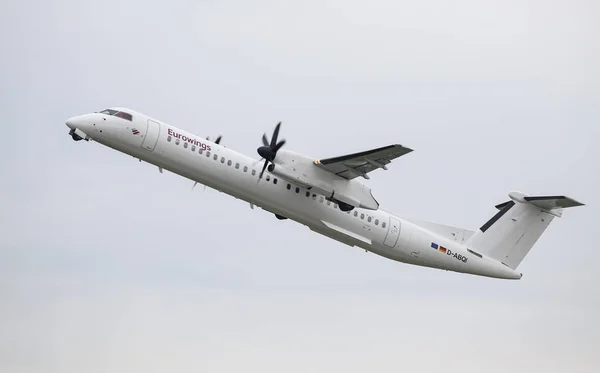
{"x":263,"y":169}
{"x":279,"y":145}
{"x":265,"y":141}
{"x":275,"y":135}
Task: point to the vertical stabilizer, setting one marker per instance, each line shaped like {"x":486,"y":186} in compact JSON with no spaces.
{"x":511,"y":233}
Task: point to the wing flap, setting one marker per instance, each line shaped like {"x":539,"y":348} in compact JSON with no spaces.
{"x":354,"y":165}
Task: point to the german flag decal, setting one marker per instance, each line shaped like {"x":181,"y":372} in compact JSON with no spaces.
{"x":457,"y":256}
{"x":438,"y":247}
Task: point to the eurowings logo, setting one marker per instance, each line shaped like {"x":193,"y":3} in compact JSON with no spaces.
{"x":134,"y":131}
{"x":193,"y":141}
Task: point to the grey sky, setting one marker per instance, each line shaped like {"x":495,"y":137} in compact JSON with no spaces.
{"x":108,"y":266}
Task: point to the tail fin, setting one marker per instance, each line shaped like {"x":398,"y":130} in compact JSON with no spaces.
{"x":511,"y":233}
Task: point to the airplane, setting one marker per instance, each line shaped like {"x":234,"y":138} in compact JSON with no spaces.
{"x":327,"y":195}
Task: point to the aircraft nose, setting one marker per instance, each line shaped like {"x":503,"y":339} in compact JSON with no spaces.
{"x":72,"y":122}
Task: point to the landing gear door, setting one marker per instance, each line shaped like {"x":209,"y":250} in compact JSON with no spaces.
{"x":393,"y":232}
{"x":151,"y":137}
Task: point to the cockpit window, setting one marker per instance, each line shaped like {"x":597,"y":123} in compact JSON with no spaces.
{"x":124,"y":115}
{"x":120,"y":114}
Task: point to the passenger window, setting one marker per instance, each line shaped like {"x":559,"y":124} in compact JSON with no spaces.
{"x":297,"y":190}
{"x":208,"y":154}
{"x":335,"y":205}
{"x":124,"y":115}
{"x":245,"y":168}
{"x":169,"y":138}
{"x":215,"y":157}
{"x":314,"y":196}
{"x":383,"y":225}
{"x":289,"y":186}
{"x":307,"y":194}
{"x":355,"y":213}
{"x":229,"y":162}
{"x":369,"y":219}
{"x":321,"y":199}
{"x":274,"y":180}
{"x":222,"y":159}
{"x":193,"y":148}
{"x":362,"y":216}
{"x":237,"y":165}
{"x":328,"y":203}
{"x":176,"y":141}
{"x":200,"y":151}
{"x":376,"y":221}
{"x":185,"y":144}
{"x":253,"y":172}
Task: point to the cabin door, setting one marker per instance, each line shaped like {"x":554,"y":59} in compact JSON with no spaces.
{"x":151,"y":137}
{"x":393,"y":233}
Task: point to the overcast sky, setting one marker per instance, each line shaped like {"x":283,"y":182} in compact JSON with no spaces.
{"x":106,"y":265}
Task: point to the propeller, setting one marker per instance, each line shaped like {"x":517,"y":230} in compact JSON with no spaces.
{"x":269,"y":149}
{"x":218,"y":140}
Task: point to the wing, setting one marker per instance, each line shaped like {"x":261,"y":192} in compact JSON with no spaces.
{"x":359,"y":164}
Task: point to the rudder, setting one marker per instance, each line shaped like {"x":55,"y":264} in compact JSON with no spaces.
{"x":511,"y":233}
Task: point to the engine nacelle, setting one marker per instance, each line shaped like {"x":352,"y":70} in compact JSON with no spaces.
{"x":288,"y":175}
{"x":346,"y":198}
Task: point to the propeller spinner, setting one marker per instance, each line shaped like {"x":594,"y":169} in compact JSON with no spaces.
{"x":269,"y":149}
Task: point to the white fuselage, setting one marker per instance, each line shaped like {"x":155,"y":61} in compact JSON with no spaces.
{"x":236,"y":174}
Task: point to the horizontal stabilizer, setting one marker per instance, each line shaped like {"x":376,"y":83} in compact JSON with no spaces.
{"x":503,"y":205}
{"x":543,"y":202}
{"x":553,"y":202}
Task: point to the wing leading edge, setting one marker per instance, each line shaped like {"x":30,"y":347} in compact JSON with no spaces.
{"x":360,"y":164}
